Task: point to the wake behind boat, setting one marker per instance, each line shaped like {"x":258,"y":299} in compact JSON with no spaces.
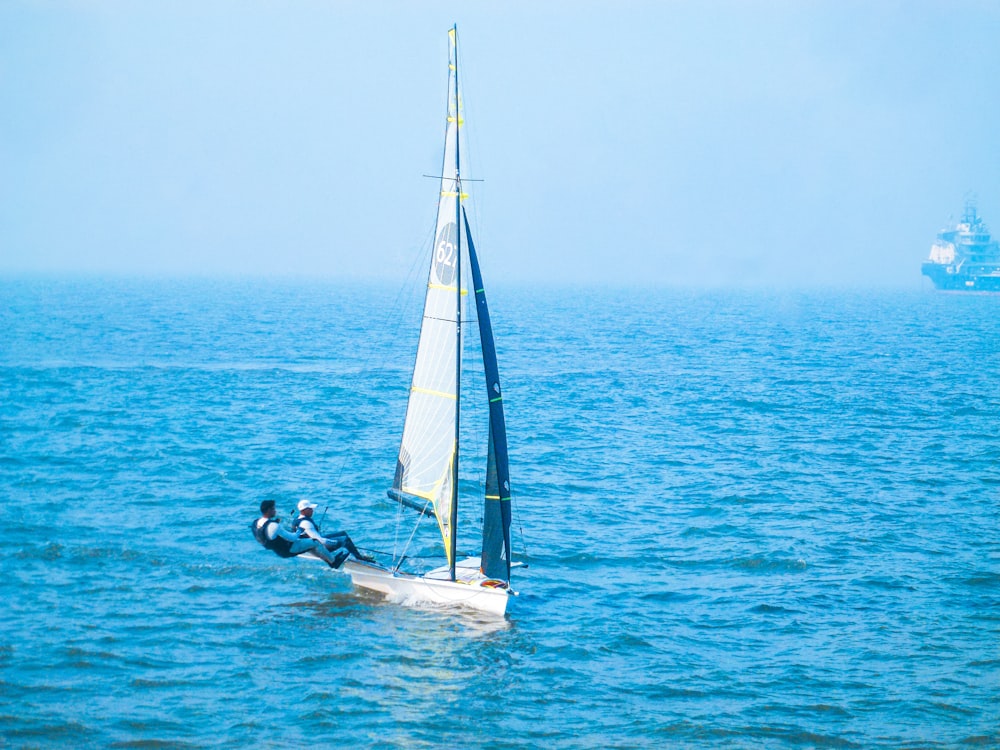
{"x":427,"y":469}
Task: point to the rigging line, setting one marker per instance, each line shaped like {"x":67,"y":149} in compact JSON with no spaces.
{"x":445,"y":320}
{"x":402,"y":555}
{"x":387,"y":553}
{"x":395,"y":532}
{"x":471,"y":145}
{"x":520,"y":528}
{"x":395,"y":311}
{"x":442,"y":177}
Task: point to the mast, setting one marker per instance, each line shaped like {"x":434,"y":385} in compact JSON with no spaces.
{"x":458,"y":310}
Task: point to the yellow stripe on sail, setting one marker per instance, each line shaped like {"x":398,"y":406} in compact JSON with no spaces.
{"x":465,"y":292}
{"x":429,"y":392}
{"x":461,"y":120}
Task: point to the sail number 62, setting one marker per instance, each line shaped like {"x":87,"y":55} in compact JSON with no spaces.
{"x":446,"y":253}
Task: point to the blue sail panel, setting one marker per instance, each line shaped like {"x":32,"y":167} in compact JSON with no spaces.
{"x":496,"y":510}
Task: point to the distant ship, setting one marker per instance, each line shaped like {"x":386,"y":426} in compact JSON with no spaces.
{"x":965,"y":257}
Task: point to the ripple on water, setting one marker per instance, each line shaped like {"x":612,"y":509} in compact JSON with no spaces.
{"x":749,"y":531}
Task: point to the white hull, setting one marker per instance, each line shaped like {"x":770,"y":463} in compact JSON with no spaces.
{"x":468,"y":591}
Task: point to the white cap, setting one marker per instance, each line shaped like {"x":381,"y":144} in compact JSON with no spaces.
{"x":303,"y":504}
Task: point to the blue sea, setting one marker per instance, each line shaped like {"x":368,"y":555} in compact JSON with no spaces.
{"x":750,"y":518}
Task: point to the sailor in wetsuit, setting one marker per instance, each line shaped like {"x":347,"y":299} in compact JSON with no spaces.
{"x":268,"y":531}
{"x":307,"y":527}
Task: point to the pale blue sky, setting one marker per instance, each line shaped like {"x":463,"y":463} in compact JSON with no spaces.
{"x":820,"y":142}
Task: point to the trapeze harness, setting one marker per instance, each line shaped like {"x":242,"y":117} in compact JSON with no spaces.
{"x":297,"y":526}
{"x":279,"y":546}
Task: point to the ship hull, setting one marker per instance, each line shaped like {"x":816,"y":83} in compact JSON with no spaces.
{"x":948,"y":278}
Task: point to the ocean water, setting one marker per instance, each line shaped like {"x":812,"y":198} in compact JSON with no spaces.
{"x":751,"y":519}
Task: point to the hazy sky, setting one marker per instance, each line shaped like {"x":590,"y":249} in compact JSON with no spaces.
{"x":820,"y":142}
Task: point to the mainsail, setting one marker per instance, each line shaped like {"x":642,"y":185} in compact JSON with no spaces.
{"x":427,"y":465}
{"x":428,"y":455}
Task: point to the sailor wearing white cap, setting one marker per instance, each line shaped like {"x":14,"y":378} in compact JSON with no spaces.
{"x":307,"y":526}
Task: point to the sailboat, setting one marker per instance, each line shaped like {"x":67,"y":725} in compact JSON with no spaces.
{"x":427,"y":468}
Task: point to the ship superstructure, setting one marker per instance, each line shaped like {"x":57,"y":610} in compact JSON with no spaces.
{"x":965,"y":257}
